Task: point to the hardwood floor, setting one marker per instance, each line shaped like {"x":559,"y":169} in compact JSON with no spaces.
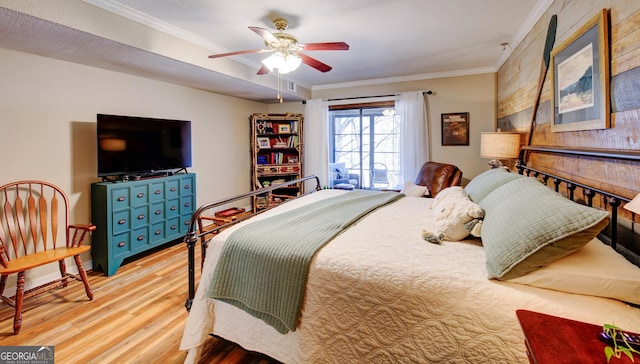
{"x":137,"y":316}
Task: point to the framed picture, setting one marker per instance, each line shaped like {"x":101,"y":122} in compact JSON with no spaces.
{"x":263,"y":142}
{"x":580,"y":70}
{"x":455,"y":128}
{"x":283,"y":128}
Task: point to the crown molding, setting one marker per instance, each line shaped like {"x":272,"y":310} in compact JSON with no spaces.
{"x":538,"y":11}
{"x":418,"y":77}
{"x":155,"y":23}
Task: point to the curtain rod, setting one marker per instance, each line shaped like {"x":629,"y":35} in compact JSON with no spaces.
{"x":368,"y":97}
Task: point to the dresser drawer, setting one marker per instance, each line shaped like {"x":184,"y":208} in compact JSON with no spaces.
{"x":157,"y":232}
{"x":121,"y":244}
{"x":186,"y":204}
{"x":157,"y":212}
{"x":172,"y":209}
{"x":121,"y":221}
{"x":139,"y":216}
{"x":172,"y":189}
{"x":140,"y":238}
{"x":139,"y":195}
{"x":157,"y":192}
{"x":173,"y":227}
{"x":186,"y":186}
{"x":120,"y":198}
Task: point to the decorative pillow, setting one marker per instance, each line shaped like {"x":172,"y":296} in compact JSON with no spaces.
{"x":528,"y":226}
{"x":341,"y":171}
{"x":456,"y":216}
{"x":413,"y":190}
{"x":449,"y":193}
{"x":484,"y":183}
{"x":595,"y":270}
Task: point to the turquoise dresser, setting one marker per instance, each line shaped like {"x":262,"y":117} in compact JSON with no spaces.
{"x":135,"y":216}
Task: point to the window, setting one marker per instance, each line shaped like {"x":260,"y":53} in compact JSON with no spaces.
{"x":366,"y":138}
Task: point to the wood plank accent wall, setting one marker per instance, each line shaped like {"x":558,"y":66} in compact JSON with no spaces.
{"x":517,"y":83}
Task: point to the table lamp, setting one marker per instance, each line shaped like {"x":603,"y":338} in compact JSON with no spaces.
{"x":633,"y":205}
{"x":499,"y":146}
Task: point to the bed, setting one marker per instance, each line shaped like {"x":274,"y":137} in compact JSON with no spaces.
{"x":379,"y":292}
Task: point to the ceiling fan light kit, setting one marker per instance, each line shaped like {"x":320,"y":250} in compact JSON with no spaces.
{"x":284,"y":64}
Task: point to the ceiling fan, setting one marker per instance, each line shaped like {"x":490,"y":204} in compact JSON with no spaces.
{"x":287,"y":54}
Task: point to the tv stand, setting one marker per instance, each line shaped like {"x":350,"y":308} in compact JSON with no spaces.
{"x":132,"y":217}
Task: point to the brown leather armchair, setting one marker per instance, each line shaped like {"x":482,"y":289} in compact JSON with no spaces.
{"x":438,"y":176}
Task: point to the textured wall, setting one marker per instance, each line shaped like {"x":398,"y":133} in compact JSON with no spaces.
{"x":518,"y":85}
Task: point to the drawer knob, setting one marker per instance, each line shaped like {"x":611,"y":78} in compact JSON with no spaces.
{"x":140,"y":195}
{"x":157,"y":192}
{"x":173,"y":208}
{"x":140,"y":238}
{"x":122,"y":198}
{"x":141,"y":216}
{"x":158,"y":232}
{"x":186,"y":187}
{"x":158,"y":212}
{"x":122,"y":221}
{"x":121,"y":244}
{"x":172,"y":189}
{"x":173,"y":227}
{"x":187,"y":204}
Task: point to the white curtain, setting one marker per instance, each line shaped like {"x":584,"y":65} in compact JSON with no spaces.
{"x":316,"y":141}
{"x":414,"y":134}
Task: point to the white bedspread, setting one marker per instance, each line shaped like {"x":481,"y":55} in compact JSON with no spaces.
{"x":378,"y":293}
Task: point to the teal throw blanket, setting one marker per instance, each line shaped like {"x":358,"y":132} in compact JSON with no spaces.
{"x":263,"y":266}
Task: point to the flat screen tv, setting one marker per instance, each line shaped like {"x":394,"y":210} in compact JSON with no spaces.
{"x":129,"y":145}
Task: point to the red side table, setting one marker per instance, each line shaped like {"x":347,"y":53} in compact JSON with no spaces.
{"x":556,"y":340}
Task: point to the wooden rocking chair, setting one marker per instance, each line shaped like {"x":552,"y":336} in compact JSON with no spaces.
{"x":34,"y":219}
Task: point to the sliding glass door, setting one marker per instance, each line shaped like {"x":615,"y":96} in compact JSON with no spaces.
{"x":366,"y":139}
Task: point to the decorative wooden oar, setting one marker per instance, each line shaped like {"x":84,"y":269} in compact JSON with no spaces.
{"x":546,"y":57}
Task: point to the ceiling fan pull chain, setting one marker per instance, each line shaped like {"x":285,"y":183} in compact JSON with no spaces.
{"x":279,"y":86}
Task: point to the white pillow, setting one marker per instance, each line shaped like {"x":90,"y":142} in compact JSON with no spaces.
{"x":453,"y":216}
{"x":456,"y":216}
{"x":449,"y":193}
{"x":413,"y":190}
{"x":594,"y":270}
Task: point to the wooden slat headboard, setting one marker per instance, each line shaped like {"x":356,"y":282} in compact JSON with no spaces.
{"x":621,"y":233}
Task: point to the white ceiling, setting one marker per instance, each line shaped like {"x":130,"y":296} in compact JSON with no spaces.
{"x":389,"y":40}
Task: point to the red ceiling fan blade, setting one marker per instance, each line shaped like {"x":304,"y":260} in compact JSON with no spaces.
{"x":239,"y":52}
{"x":266,"y":35}
{"x":327,"y":46}
{"x":263,"y":70}
{"x":310,"y":61}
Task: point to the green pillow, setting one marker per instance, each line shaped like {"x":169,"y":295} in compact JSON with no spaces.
{"x":484,"y":183}
{"x":527,"y":226}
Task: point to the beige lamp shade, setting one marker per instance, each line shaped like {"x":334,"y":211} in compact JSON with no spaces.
{"x":633,"y":205}
{"x":499,"y":145}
